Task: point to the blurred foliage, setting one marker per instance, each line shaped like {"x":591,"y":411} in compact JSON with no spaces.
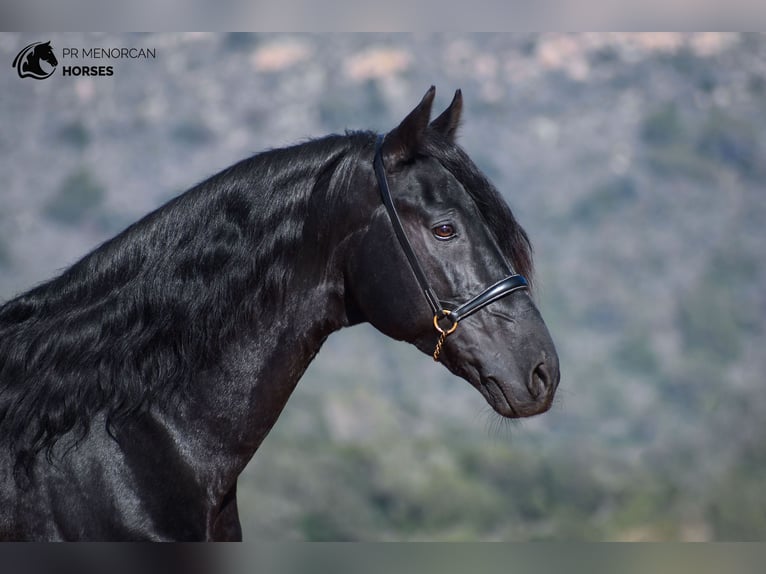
{"x":192,"y":132}
{"x":78,"y":198}
{"x":74,"y":134}
{"x":463,"y":491}
{"x":663,"y":126}
{"x":737,"y":508}
{"x":698,"y":151}
{"x":346,"y":110}
{"x":605,"y":200}
{"x":680,"y":161}
{"x":484,"y":490}
{"x":5,"y":254}
{"x":670,"y":151}
{"x":713,"y":319}
{"x":694,"y":70}
{"x":709,"y":325}
{"x":635,"y":354}
{"x":733,"y":142}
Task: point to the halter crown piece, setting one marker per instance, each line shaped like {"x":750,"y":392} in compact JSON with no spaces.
{"x":511,"y":283}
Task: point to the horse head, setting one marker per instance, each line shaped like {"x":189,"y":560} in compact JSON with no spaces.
{"x":27,"y":62}
{"x":45,"y":52}
{"x":465,"y":241}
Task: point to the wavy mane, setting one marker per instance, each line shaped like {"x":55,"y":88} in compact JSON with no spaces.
{"x":133,"y":321}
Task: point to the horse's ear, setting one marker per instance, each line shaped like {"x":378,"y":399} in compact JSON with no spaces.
{"x":449,"y":120}
{"x":401,"y":143}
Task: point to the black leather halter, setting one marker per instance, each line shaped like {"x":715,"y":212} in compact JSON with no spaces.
{"x":504,"y":287}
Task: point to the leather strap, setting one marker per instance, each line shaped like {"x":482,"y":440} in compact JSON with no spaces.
{"x":489,"y":295}
{"x":385,"y":192}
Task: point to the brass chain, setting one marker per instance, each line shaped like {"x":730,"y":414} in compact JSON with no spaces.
{"x":443,"y":333}
{"x":442,"y":338}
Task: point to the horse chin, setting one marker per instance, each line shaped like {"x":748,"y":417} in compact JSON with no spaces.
{"x":505,"y":403}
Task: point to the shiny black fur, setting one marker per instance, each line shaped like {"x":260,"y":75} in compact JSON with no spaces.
{"x":136,"y":386}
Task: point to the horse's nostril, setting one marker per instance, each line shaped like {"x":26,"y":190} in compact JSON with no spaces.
{"x":539,"y":381}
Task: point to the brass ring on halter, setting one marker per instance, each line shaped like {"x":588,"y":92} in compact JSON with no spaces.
{"x":438,"y":328}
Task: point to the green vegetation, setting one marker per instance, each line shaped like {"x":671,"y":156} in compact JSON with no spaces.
{"x":74,"y":134}
{"x":366,"y":107}
{"x":698,"y":148}
{"x":709,"y":325}
{"x":5,"y":255}
{"x":635,"y":354}
{"x":732,"y":142}
{"x":738,"y":508}
{"x":79,"y":197}
{"x":713,"y":319}
{"x":192,"y":132}
{"x":680,"y":161}
{"x":663,"y":126}
{"x":465,"y":491}
{"x":453,"y":489}
{"x":605,"y":200}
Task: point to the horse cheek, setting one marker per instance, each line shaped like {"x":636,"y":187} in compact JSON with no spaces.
{"x":383,"y":288}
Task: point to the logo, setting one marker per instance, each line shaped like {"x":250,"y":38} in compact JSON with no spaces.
{"x":28,"y":62}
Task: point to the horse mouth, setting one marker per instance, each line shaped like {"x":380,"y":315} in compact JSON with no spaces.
{"x":497,"y":398}
{"x":500,"y":398}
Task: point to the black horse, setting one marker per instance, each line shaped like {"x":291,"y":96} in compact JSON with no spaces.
{"x":27,"y":62}
{"x":136,"y":386}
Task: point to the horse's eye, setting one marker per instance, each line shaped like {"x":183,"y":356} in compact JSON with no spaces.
{"x":444,"y":231}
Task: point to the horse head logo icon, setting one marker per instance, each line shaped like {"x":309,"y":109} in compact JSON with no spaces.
{"x":28,"y":61}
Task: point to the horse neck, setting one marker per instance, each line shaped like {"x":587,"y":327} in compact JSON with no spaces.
{"x":208,"y":311}
{"x":296,"y":301}
{"x":33,"y":63}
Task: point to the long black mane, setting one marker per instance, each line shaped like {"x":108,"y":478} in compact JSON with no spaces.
{"x":130,"y":324}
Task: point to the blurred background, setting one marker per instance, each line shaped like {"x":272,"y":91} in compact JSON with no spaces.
{"x":636,"y":163}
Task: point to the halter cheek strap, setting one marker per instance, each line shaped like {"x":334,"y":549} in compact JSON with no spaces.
{"x":512,"y":283}
{"x":385,"y":192}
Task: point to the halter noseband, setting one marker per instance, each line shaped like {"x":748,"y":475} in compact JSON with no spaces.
{"x":504,"y":287}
